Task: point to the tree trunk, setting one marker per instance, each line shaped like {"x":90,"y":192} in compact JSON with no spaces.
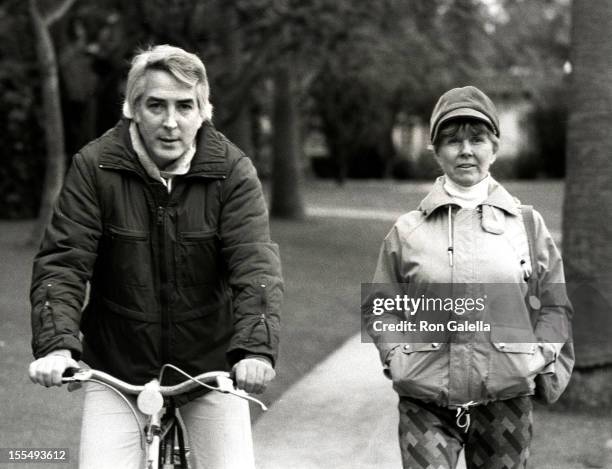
{"x":52,"y":112}
{"x":286,"y":173}
{"x":587,"y":213}
{"x":463,"y":30}
{"x":240,"y":131}
{"x":239,"y":127}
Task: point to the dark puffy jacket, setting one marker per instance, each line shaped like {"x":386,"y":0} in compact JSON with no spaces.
{"x":189,"y":278}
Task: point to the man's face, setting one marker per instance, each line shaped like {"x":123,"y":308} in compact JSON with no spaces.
{"x":167,"y":116}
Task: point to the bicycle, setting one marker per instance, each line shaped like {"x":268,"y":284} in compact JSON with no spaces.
{"x":162,"y":437}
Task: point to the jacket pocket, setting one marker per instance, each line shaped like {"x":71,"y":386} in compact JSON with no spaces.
{"x":197,"y":258}
{"x":420,"y":370}
{"x":126,"y":342}
{"x":510,"y":366}
{"x":128,"y":256}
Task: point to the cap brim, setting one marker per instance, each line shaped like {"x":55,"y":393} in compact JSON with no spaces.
{"x":466,"y":112}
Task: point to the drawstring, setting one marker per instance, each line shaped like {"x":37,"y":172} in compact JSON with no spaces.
{"x":450,"y":235}
{"x":526,"y":267}
{"x":463,"y":416}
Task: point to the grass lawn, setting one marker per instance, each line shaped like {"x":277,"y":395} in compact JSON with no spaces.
{"x":324,"y":262}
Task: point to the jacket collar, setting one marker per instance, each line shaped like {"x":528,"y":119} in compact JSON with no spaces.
{"x":498,"y":197}
{"x":209,"y":160}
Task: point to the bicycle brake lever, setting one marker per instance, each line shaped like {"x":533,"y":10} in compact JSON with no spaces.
{"x":77,"y":376}
{"x":226,"y":386}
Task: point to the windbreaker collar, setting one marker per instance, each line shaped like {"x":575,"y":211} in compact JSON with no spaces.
{"x":209,"y":160}
{"x":498,"y":197}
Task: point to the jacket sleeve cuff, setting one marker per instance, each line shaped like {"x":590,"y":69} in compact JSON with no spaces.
{"x":550,"y":350}
{"x":386,"y":361}
{"x":63,"y":342}
{"x":237,"y":354}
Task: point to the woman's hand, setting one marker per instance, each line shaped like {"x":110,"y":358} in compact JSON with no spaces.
{"x":49,"y":369}
{"x":537,"y":362}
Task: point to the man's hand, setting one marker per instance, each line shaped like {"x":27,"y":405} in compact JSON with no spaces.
{"x":49,"y":369}
{"x":253,"y":374}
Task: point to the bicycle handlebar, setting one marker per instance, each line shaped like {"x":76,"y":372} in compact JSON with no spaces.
{"x":202,"y":380}
{"x":185,"y":386}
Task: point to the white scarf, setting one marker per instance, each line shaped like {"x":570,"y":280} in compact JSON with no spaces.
{"x":468,"y":197}
{"x":178,"y":167}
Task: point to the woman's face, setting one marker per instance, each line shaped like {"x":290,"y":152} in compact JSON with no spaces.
{"x":465,"y":152}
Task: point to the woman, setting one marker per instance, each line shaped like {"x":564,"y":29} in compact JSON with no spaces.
{"x":466,"y":388}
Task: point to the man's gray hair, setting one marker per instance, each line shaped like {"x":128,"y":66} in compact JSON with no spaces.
{"x":187,"y":68}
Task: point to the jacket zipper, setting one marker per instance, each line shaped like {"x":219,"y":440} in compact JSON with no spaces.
{"x":46,"y":303}
{"x":264,"y":307}
{"x":46,"y":310}
{"x":163,"y":281}
{"x":205,"y":176}
{"x":451,"y":238}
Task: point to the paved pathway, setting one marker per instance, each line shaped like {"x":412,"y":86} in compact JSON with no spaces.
{"x":342,"y":415}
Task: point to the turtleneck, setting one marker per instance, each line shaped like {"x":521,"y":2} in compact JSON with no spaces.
{"x":178,"y":167}
{"x":468,"y":197}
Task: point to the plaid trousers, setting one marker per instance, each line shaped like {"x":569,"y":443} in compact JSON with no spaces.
{"x":498,"y":436}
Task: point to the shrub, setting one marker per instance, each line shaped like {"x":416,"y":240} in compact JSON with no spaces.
{"x":424,"y":167}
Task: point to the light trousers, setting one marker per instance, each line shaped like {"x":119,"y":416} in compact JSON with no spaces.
{"x":218,"y":431}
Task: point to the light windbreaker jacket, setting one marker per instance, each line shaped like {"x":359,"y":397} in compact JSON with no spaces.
{"x":483,"y":251}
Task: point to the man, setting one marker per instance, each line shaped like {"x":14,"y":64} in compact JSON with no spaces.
{"x":165,"y":218}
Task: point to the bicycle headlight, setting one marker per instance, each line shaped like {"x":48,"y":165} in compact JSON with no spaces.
{"x":150,"y":401}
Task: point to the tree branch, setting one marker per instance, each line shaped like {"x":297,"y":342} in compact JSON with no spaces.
{"x":58,"y":12}
{"x":34,"y":11}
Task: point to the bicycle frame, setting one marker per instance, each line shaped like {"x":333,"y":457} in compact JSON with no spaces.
{"x":150,"y":401}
